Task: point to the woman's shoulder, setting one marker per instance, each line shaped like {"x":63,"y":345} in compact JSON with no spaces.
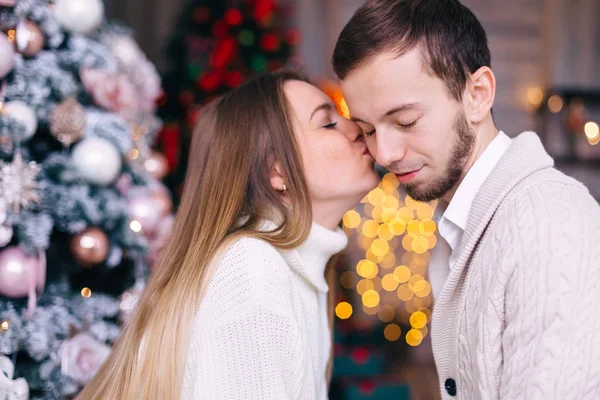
{"x":251,"y":271}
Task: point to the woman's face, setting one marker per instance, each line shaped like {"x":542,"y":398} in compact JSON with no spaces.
{"x":337,"y":165}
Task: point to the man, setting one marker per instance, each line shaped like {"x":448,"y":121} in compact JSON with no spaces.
{"x":518,"y":291}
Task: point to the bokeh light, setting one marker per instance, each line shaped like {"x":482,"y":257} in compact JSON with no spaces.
{"x":343,"y":310}
{"x":392,"y":332}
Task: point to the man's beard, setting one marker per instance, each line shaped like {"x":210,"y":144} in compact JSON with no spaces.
{"x":463,"y":146}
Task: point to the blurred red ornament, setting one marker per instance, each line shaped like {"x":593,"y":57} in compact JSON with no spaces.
{"x":192,"y":116}
{"x":274,"y":65}
{"x":210,"y":81}
{"x":360,"y":356}
{"x":90,"y":247}
{"x":270,"y":42}
{"x":201,"y":15}
{"x":169,"y":142}
{"x":233,"y":16}
{"x":223,"y":53}
{"x":220,"y":29}
{"x":366,"y":388}
{"x":234,"y":79}
{"x":263,"y":8}
{"x":186,"y":98}
{"x":292,"y":37}
{"x":161,"y":100}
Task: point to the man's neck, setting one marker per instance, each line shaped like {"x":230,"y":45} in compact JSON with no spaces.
{"x":484,"y":135}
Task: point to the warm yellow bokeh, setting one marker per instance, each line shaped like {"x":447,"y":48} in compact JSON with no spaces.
{"x":418,"y":320}
{"x":389,"y":260}
{"x":389,"y":282}
{"x":389,"y":182}
{"x":384,"y":232}
{"x":420,"y":245}
{"x":392,"y":332}
{"x":363,"y":285}
{"x":405,"y":214}
{"x":425,"y":211}
{"x":404,"y":292}
{"x":402,"y":273}
{"x":397,"y":226}
{"x":343,"y":310}
{"x":422,"y":288}
{"x":352,"y":219}
{"x":380,"y":247}
{"x":348,"y":279}
{"x":375,"y":196}
{"x":414,"y":337}
{"x":412,"y":228}
{"x":86,"y":292}
{"x":370,"y":298}
{"x":407,"y":242}
{"x":367,"y":269}
{"x":411,"y":203}
{"x":427,"y":227}
{"x":370,"y":228}
{"x":390,"y":203}
{"x":386,"y":313}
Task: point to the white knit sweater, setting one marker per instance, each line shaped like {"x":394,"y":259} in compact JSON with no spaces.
{"x":518,"y":316}
{"x":261,"y":331}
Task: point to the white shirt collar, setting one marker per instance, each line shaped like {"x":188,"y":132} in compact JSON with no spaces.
{"x":457,"y":211}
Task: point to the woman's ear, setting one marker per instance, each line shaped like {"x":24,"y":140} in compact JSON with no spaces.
{"x":276,"y":177}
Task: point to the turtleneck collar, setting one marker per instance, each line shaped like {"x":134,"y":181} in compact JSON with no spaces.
{"x":310,"y":258}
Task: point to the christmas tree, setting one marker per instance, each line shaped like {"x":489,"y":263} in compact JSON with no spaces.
{"x":217,"y":46}
{"x":83,"y":214}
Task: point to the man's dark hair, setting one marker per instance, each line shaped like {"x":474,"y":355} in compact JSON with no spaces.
{"x":452,"y":41}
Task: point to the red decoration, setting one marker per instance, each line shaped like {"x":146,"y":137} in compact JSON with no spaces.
{"x":360,"y":356}
{"x":292,"y":37}
{"x":234,"y":79}
{"x":210,"y":81}
{"x":366,"y":388}
{"x":169,"y":139}
{"x":220,"y":29}
{"x":223,"y":53}
{"x":274,"y":65}
{"x":270,"y":42}
{"x":186,"y":98}
{"x":263,"y":9}
{"x":161,"y":100}
{"x":201,"y":15}
{"x":193,"y":115}
{"x":233,"y":16}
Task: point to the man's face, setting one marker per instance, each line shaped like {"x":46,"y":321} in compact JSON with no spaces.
{"x":412,"y":126}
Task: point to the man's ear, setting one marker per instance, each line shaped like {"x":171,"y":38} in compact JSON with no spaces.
{"x":480,"y":94}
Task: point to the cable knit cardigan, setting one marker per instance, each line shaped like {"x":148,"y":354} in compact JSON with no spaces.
{"x":518,"y":316}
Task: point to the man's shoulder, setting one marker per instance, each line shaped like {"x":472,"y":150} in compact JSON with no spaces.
{"x":550,"y":189}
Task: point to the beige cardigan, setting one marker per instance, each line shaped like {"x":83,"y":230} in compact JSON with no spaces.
{"x":519,"y":314}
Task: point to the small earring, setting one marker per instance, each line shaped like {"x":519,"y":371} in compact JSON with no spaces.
{"x":284,"y":189}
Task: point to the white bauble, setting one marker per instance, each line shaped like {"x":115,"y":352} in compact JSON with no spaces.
{"x":97,"y":160}
{"x":80,"y":16}
{"x":24,"y":114}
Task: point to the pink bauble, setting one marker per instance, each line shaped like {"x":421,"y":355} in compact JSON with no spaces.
{"x":30,"y":39}
{"x":143,"y":209}
{"x":15,"y":269}
{"x":8,"y":3}
{"x":7,"y":55}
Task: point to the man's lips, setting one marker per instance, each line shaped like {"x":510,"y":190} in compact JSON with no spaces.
{"x":407,"y":177}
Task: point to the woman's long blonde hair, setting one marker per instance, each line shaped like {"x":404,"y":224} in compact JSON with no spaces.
{"x":237,"y":140}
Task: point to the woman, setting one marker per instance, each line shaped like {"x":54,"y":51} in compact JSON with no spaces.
{"x":237,"y":308}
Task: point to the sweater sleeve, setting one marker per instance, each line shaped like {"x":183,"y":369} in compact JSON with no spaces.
{"x":246,"y":341}
{"x":551,"y":339}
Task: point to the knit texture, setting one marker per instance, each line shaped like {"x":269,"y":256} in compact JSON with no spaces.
{"x":517,"y":317}
{"x":261,"y":331}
